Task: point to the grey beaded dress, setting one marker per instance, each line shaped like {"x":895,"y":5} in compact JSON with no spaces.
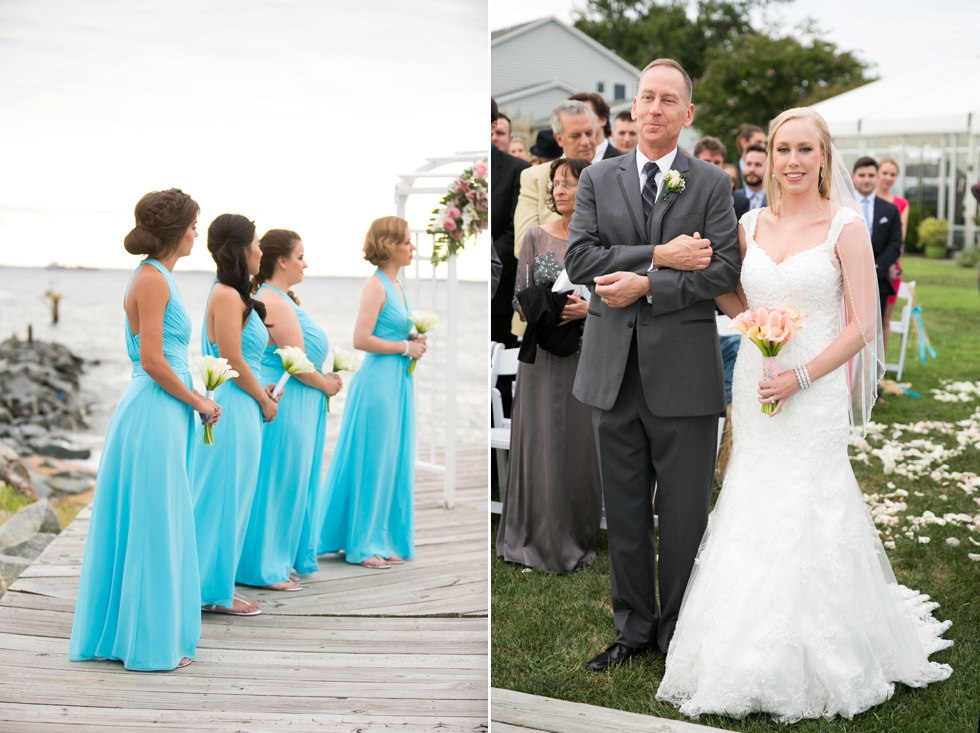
{"x":552,"y":503}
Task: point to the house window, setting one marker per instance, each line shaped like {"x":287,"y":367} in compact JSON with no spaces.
{"x":600,"y":87}
{"x":619,"y":92}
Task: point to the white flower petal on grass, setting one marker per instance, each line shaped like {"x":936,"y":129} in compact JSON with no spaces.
{"x":974,"y":541}
{"x":890,"y":544}
{"x":952,"y":541}
{"x":924,"y":540}
{"x":975,"y":558}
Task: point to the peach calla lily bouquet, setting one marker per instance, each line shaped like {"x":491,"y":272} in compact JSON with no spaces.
{"x":769,"y":329}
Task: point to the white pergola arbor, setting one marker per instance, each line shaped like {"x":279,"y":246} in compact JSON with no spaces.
{"x":928,"y":120}
{"x":435,"y":385}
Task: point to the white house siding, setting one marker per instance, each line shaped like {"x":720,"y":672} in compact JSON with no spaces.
{"x":552,"y":51}
{"x":535,"y":108}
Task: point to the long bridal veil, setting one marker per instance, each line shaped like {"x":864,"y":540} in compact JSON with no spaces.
{"x":861,"y":302}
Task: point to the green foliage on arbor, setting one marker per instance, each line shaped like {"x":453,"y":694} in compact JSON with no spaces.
{"x":742,"y":73}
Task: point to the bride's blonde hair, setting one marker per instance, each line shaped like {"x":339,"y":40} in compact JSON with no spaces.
{"x":773,"y":190}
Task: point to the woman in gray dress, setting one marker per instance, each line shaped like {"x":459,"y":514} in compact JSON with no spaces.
{"x":552,"y":505}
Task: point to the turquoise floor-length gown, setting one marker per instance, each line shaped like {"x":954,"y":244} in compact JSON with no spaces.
{"x":223,"y":475}
{"x":367,"y":505}
{"x":279,"y":535}
{"x":139,"y":599}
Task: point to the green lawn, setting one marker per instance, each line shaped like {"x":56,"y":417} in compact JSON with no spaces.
{"x":544,"y":628}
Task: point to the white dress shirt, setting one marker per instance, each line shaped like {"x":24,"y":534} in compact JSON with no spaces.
{"x":600,"y":150}
{"x":663,"y":164}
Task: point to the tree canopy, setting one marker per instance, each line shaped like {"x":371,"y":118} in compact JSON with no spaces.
{"x":742,"y":73}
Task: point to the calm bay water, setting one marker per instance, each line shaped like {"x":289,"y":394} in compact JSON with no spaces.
{"x":92,"y":322}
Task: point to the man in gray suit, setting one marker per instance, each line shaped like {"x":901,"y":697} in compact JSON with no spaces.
{"x":655,"y":255}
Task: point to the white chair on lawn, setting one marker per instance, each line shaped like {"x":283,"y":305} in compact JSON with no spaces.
{"x":503,"y":362}
{"x":906,"y":292}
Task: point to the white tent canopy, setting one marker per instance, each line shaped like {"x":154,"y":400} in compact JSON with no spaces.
{"x":942,"y":97}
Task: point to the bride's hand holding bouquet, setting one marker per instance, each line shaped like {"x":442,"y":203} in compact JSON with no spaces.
{"x":770,"y":329}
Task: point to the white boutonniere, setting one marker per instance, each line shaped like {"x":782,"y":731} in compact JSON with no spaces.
{"x":673,"y":183}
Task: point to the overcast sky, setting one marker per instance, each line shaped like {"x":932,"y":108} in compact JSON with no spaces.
{"x":897,"y":35}
{"x":296,"y":113}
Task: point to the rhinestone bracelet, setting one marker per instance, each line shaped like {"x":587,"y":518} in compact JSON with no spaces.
{"x":803,"y":377}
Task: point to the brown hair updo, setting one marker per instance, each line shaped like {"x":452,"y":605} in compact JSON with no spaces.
{"x":382,"y":237}
{"x":274,"y":244}
{"x":162,"y":218}
{"x":229,"y":238}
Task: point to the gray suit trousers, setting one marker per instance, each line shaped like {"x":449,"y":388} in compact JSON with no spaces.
{"x":637,"y":450}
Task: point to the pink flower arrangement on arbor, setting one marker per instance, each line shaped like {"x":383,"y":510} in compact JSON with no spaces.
{"x":769,"y":329}
{"x":461,"y":214}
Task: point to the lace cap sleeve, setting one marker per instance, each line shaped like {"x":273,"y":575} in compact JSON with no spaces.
{"x":525,"y":265}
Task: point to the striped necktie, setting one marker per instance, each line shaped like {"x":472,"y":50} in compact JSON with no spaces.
{"x":650,"y":189}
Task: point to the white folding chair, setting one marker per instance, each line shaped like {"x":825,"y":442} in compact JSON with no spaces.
{"x":503,"y":362}
{"x":906,"y":292}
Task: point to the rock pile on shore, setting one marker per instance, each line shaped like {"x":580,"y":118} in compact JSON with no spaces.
{"x":39,"y":398}
{"x":23,"y":538}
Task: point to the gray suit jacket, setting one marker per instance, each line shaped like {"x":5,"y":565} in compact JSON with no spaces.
{"x":677,"y":341}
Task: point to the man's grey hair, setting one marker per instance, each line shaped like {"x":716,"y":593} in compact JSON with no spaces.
{"x":569,"y":107}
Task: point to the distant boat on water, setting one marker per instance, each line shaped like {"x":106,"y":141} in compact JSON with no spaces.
{"x":56,"y":266}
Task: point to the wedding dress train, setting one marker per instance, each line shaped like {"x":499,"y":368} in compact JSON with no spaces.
{"x":793,"y":608}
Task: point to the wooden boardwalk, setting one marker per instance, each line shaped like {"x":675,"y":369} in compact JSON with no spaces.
{"x":363,"y":650}
{"x":518,"y":711}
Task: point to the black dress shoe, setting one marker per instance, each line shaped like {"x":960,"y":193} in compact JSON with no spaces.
{"x":615,"y":655}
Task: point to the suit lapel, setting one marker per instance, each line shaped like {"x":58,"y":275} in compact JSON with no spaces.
{"x":629,"y":182}
{"x":662,"y":207}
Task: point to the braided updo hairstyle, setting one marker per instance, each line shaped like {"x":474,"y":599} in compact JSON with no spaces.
{"x":162,"y":218}
{"x":229,"y":238}
{"x":274,"y":244}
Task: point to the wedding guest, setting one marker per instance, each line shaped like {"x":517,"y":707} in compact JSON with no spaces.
{"x":887,"y":173}
{"x":574,"y":127}
{"x":224,"y":474}
{"x":367,"y":508}
{"x":139,"y":598}
{"x":732,"y":171}
{"x":746,"y":136}
{"x":505,"y":173}
{"x":884,"y":225}
{"x":501,"y":133}
{"x":518,"y":149}
{"x":712,"y":150}
{"x":279,"y":535}
{"x":545,"y":149}
{"x":624,"y":132}
{"x":552,"y":504}
{"x":753,"y":172}
{"x":604,"y":147}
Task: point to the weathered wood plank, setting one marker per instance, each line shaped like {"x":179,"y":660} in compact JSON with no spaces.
{"x":356,"y":650}
{"x":88,"y":718}
{"x":560,"y":716}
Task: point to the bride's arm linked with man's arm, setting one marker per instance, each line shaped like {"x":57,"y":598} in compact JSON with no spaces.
{"x":685,"y":269}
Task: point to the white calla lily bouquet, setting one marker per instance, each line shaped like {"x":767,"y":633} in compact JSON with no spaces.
{"x":294,"y":361}
{"x":424,"y":321}
{"x":341,"y":360}
{"x":214,"y":372}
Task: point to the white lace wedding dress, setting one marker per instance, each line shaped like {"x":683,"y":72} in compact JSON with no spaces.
{"x":792,"y":608}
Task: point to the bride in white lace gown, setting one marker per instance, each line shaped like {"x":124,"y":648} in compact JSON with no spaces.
{"x":792,"y":608}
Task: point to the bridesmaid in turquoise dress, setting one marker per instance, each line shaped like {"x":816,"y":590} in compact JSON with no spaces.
{"x":224,"y":474}
{"x":366,"y":508}
{"x":279,"y":537}
{"x":139,"y":598}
